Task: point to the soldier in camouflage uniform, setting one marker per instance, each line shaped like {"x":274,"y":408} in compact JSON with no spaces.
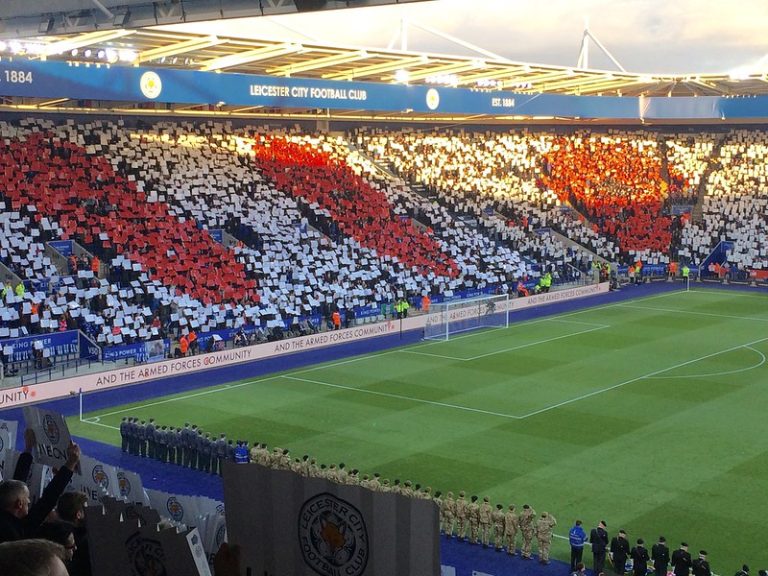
{"x":259,"y":454}
{"x":511,"y":523}
{"x":462,"y":515}
{"x":473,"y":515}
{"x":527,"y":527}
{"x":447,"y":514}
{"x":497,"y":517}
{"x":484,"y":515}
{"x":544,"y":535}
{"x":395,"y":488}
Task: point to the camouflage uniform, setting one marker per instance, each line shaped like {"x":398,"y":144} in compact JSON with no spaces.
{"x":527,"y":527}
{"x":462,"y":514}
{"x":544,"y":535}
{"x":447,"y":514}
{"x":484,"y":515}
{"x":511,"y":524}
{"x":474,"y":520}
{"x":497,"y":517}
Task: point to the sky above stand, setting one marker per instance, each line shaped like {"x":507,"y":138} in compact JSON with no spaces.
{"x":645,"y":36}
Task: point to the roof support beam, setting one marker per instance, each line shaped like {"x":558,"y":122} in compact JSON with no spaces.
{"x":82,"y":40}
{"x":250,"y":56}
{"x":454,"y":68}
{"x":318,"y":63}
{"x":179,"y":48}
{"x":378,"y":68}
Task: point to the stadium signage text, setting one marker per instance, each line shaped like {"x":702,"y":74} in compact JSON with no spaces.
{"x":51,"y":79}
{"x":174,"y":367}
{"x":306,"y":92}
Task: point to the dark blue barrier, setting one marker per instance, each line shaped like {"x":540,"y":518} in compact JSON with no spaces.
{"x":140,"y":351}
{"x":59,"y":344}
{"x":88,"y":350}
{"x":63,"y":247}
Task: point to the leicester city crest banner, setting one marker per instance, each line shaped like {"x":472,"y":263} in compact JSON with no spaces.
{"x":51,"y":435}
{"x":288,"y":524}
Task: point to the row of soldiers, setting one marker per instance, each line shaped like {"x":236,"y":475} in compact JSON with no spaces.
{"x":472,"y":520}
{"x":188,"y":446}
{"x":469,"y":520}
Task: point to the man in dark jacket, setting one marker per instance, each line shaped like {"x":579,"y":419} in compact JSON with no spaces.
{"x":619,"y":552}
{"x":598,"y":537}
{"x":701,"y":566}
{"x":681,"y":561}
{"x":660,"y":557}
{"x":640,"y":557}
{"x":19,"y":520}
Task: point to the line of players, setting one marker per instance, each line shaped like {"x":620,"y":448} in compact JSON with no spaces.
{"x":189,"y":446}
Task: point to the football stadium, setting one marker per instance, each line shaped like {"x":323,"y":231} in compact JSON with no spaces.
{"x":275,"y":304}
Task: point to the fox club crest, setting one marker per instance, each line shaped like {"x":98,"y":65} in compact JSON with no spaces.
{"x":100,"y":476}
{"x":123,"y":484}
{"x":175,"y":509}
{"x":146,"y":556}
{"x":51,"y":429}
{"x":332,"y":536}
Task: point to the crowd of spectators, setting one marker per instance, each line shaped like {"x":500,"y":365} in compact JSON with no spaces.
{"x":735,"y":206}
{"x":188,"y":179}
{"x":307,"y":226}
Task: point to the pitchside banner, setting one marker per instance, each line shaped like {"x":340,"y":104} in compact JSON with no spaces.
{"x":288,"y":524}
{"x":23,"y":395}
{"x":51,"y":434}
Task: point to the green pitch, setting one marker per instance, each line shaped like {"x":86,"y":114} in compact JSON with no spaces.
{"x":650,"y":414}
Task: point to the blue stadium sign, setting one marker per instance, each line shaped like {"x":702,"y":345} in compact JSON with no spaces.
{"x":137,"y":84}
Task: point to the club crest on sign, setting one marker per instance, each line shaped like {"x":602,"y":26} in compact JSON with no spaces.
{"x":100,"y":476}
{"x":51,"y":429}
{"x":221,"y":535}
{"x":332,"y":536}
{"x":175,"y":509}
{"x":146,"y":556}
{"x":123,"y":484}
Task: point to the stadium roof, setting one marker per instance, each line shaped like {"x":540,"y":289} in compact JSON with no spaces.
{"x":162,"y":48}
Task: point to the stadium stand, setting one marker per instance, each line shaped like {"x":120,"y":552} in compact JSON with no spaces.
{"x":133,"y":193}
{"x":307,"y":224}
{"x":734,"y":207}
